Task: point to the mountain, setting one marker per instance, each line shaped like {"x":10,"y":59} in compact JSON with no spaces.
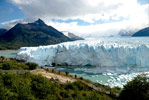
{"x":143,"y":32}
{"x":125,"y":33}
{"x":2,"y":31}
{"x":31,"y":34}
{"x":72,"y":36}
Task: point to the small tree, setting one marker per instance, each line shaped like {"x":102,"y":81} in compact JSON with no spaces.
{"x":75,"y":76}
{"x":137,"y":89}
{"x":67,"y":73}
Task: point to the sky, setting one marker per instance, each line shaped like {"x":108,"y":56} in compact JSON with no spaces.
{"x":86,"y":18}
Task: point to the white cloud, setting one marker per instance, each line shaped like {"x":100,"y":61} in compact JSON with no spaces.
{"x":118,"y":14}
{"x":10,"y":24}
{"x":91,"y":30}
{"x":87,"y":10}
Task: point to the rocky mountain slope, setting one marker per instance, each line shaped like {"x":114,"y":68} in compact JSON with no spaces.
{"x":31,"y":34}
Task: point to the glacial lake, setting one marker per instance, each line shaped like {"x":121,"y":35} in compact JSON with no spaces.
{"x":9,"y":53}
{"x":113,"y":77}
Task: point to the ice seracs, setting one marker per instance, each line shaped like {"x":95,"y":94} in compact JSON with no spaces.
{"x":105,"y":52}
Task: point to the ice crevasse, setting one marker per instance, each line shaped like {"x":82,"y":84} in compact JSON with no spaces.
{"x":93,"y":53}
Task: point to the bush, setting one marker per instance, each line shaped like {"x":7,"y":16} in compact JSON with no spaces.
{"x":53,"y":71}
{"x":67,"y":73}
{"x":36,"y":87}
{"x":32,"y":65}
{"x":6,"y":66}
{"x":12,"y":65}
{"x":137,"y":89}
{"x":2,"y":58}
{"x":41,"y":87}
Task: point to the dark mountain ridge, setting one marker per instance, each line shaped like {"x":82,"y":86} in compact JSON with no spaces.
{"x":142,"y":33}
{"x":31,"y":34}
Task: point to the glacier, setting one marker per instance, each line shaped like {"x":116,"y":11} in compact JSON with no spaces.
{"x":102,"y":52}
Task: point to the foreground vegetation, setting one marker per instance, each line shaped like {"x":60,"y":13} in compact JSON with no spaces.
{"x":137,"y":89}
{"x":12,"y":64}
{"x":28,"y":86}
{"x":36,"y":87}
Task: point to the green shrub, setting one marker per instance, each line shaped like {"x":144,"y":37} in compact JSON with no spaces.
{"x":137,"y":89}
{"x":2,"y":57}
{"x":32,"y":65}
{"x":41,"y":87}
{"x":12,"y":65}
{"x":6,"y":66}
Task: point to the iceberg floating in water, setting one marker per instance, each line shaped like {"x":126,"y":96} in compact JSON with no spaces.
{"x":122,"y":79}
{"x":105,"y":52}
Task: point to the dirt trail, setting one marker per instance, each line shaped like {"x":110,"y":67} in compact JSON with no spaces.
{"x":53,"y":76}
{"x":61,"y":79}
{"x":66,"y":79}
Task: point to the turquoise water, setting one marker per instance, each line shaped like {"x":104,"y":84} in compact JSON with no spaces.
{"x":95,"y":77}
{"x":9,"y":53}
{"x":111,"y":76}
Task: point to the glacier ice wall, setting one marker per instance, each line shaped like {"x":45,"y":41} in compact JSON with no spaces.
{"x":111,"y":52}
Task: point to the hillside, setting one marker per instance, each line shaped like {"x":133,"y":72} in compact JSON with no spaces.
{"x":142,"y":33}
{"x":22,"y":81}
{"x":2,"y":31}
{"x":31,"y":34}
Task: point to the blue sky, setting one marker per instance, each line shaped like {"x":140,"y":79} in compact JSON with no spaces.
{"x":86,"y":15}
{"x":143,"y":1}
{"x":8,"y":11}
